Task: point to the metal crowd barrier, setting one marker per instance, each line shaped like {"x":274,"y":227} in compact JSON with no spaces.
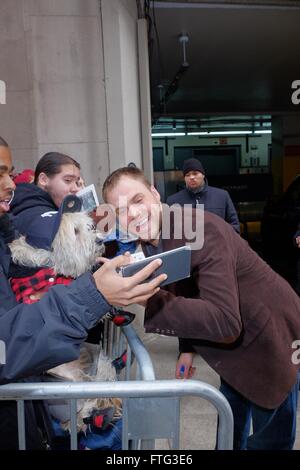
{"x":117,"y":339}
{"x":123,"y":389}
{"x":151,"y":408}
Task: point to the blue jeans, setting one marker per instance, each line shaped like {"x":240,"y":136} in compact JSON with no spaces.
{"x":272,"y":429}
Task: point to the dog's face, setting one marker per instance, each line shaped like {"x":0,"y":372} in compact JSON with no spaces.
{"x":74,"y":249}
{"x":75,"y":246}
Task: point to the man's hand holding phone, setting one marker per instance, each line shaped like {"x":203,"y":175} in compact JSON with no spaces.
{"x":123,"y":291}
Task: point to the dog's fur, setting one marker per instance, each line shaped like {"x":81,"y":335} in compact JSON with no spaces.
{"x":74,"y":248}
{"x":91,"y":366}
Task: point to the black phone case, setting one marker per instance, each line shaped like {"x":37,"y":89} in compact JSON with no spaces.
{"x":175,"y":263}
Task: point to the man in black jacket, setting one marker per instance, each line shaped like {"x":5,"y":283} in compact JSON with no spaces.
{"x":197,"y":191}
{"x":43,"y":335}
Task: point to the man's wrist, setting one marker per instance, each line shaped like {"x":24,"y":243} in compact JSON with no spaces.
{"x":99,"y":289}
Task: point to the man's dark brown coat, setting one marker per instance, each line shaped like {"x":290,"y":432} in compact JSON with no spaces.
{"x":235,"y":311}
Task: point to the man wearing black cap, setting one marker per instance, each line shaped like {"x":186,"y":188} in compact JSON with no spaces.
{"x":198,"y":191}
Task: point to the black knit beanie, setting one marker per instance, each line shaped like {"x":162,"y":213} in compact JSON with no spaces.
{"x":192,"y":164}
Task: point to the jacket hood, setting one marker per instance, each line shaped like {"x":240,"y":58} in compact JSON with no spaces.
{"x":28,"y":196}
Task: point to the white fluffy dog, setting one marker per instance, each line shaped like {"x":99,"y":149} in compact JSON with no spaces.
{"x":73,"y":252}
{"x":74,"y":248}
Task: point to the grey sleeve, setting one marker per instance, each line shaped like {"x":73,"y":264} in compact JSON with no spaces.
{"x":42,"y":335}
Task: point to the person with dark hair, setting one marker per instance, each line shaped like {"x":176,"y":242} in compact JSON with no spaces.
{"x":234,"y":310}
{"x":39,"y":336}
{"x":197,"y":191}
{"x":50,"y":164}
{"x":58,"y":175}
{"x":55,"y":177}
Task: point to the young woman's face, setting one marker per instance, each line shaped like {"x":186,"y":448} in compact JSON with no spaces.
{"x":61,"y":184}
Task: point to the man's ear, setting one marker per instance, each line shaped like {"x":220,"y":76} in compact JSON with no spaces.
{"x":42,"y":180}
{"x":155,"y":193}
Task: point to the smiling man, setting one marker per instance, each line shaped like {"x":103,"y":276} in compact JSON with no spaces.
{"x":234,"y":311}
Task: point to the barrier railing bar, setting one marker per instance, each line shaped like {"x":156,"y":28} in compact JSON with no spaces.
{"x":130,"y":389}
{"x":21,"y":424}
{"x":73,"y":414}
{"x":128,"y":363}
{"x":141,"y":354}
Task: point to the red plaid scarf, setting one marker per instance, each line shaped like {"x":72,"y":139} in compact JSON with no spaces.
{"x":31,"y":288}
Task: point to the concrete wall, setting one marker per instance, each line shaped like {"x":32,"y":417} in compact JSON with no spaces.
{"x":122,"y":84}
{"x":71,"y":71}
{"x":16,"y":115}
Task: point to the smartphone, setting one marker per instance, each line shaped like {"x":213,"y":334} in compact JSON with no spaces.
{"x":175,"y":263}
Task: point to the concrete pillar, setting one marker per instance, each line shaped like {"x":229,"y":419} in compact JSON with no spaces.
{"x":16,"y":113}
{"x":119,"y":24}
{"x":64,"y":41}
{"x":145,"y":99}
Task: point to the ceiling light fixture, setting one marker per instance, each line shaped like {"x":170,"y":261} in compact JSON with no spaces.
{"x":198,"y":133}
{"x":230,"y":132}
{"x":209,"y":133}
{"x":214,"y":133}
{"x":168,"y":134}
{"x":265,"y":131}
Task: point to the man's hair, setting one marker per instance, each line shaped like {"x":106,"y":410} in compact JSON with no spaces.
{"x":130,"y":171}
{"x":51,"y":164}
{"x":3,"y":142}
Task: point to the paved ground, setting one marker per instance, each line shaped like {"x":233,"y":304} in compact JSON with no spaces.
{"x":198,"y":417}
